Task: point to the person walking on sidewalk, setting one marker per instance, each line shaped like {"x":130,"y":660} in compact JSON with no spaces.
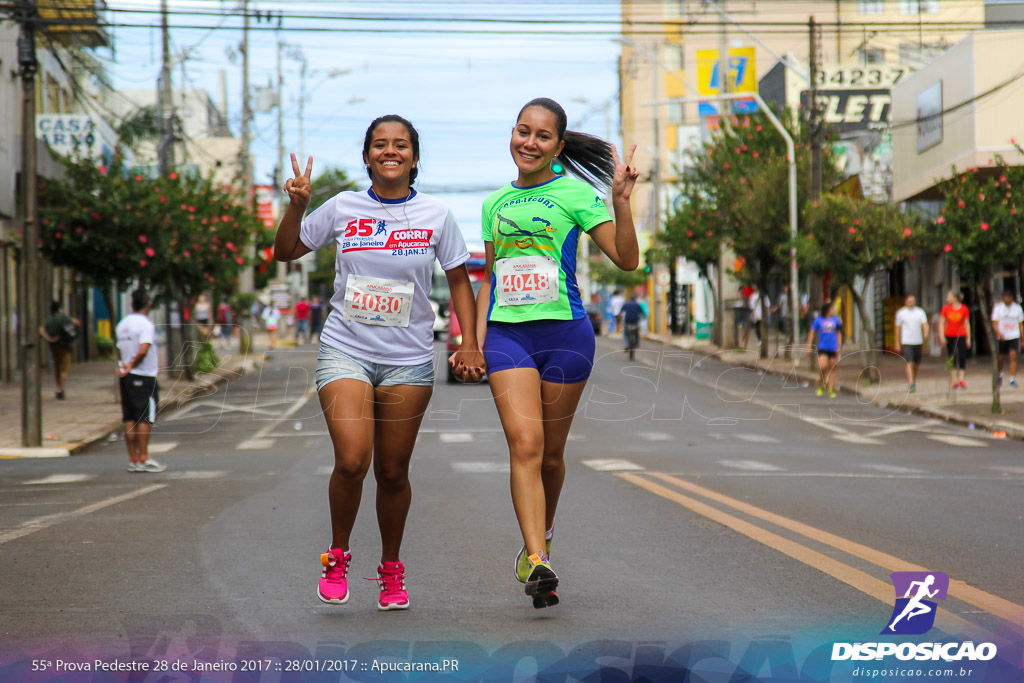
{"x":61,"y":331}
{"x":302,"y":311}
{"x":140,"y":393}
{"x":538,"y":343}
{"x":911,"y":334}
{"x":956,"y":335}
{"x":830,"y":342}
{"x":375,"y":370}
{"x":1008,"y":323}
{"x":316,"y":319}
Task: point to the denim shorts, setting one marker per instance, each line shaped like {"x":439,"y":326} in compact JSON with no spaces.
{"x":334,"y":364}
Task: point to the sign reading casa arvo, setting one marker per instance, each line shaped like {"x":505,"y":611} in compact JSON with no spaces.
{"x":929,"y":117}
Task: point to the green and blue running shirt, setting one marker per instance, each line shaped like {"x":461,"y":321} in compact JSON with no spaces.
{"x":536,"y":233}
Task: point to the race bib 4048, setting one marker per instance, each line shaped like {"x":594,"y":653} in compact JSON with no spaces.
{"x":375,"y":301}
{"x":526,"y":280}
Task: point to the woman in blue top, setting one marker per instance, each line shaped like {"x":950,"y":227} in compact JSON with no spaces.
{"x":830,"y":341}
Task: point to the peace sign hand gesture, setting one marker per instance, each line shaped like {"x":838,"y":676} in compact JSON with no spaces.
{"x":625,"y":175}
{"x":300,"y":187}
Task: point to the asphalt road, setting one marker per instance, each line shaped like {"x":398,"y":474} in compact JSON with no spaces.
{"x":703,"y":503}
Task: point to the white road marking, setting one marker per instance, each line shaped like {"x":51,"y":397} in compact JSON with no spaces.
{"x":954,"y":440}
{"x":613,"y":465}
{"x":255,"y":444}
{"x":1007,"y":469}
{"x":892,"y":469}
{"x":655,"y":436}
{"x":576,"y":437}
{"x":221,"y":408}
{"x":195,"y":474}
{"x":757,"y":438}
{"x":455,"y":437}
{"x":481,"y":467}
{"x":59,"y":479}
{"x":34,"y":453}
{"x":751,"y":465}
{"x":40,"y":523}
{"x":325,"y":470}
{"x":858,"y":439}
{"x":165,"y":447}
{"x":904,"y":427}
{"x":294,"y":408}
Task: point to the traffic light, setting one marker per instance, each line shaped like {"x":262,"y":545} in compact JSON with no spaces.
{"x":648,"y":261}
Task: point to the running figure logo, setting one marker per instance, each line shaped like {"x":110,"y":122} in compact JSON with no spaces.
{"x":382,"y":228}
{"x":914,"y":613}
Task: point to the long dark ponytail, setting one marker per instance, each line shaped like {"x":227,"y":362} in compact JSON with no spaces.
{"x":585,"y":156}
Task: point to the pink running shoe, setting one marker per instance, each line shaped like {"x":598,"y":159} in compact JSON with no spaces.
{"x":333,"y":582}
{"x":391,"y":576}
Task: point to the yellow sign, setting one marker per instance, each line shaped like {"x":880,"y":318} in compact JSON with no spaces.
{"x":742,"y":70}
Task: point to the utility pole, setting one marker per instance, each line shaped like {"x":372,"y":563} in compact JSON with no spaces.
{"x":29,"y":287}
{"x":248,"y":276}
{"x":301,"y":152}
{"x":814,"y":113}
{"x":657,"y":300}
{"x":726,"y":106}
{"x":279,"y":175}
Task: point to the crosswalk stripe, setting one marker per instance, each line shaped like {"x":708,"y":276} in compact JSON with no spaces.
{"x":858,"y":439}
{"x":655,"y":436}
{"x":195,"y":474}
{"x":456,"y":437}
{"x":751,"y":465}
{"x":757,"y":438}
{"x":1007,"y":469}
{"x":481,"y":467}
{"x":954,"y":440}
{"x":164,"y":447}
{"x":892,"y":469}
{"x":613,"y":465}
{"x":255,"y":444}
{"x":59,"y":479}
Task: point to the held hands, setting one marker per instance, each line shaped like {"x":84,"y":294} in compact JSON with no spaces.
{"x":625,"y":175}
{"x":299,"y":188}
{"x":468,"y":364}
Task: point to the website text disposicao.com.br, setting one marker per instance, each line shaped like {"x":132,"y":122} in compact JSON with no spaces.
{"x":906,"y":673}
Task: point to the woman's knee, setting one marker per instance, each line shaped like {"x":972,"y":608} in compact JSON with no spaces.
{"x":554,"y":461}
{"x":393,"y":477}
{"x":351,"y":469}
{"x":526,"y":447}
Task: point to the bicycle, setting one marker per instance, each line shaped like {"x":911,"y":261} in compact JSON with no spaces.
{"x":632,"y":339}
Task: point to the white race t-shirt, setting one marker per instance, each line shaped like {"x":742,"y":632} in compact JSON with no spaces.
{"x":909,"y":320}
{"x":1008,"y":318}
{"x":385,"y":265}
{"x":132,"y":332}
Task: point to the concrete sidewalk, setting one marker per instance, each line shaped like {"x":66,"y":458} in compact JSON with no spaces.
{"x":934,"y":395}
{"x":92,"y":408}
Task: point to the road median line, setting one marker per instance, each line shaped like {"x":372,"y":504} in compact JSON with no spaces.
{"x":993,"y":604}
{"x":862,"y":581}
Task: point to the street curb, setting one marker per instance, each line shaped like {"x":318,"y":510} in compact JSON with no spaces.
{"x":201,"y":386}
{"x":981,"y":423}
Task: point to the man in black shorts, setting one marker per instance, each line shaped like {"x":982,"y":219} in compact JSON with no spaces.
{"x":137,"y":368}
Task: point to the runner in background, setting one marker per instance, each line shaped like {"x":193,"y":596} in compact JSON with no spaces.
{"x":911,"y":334}
{"x":830,"y":343}
{"x":1008,"y":323}
{"x":375,"y":371}
{"x":539,"y":343}
{"x":956,"y":335}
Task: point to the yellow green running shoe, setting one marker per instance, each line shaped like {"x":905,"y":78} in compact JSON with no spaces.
{"x":523,"y":561}
{"x":541,"y":583}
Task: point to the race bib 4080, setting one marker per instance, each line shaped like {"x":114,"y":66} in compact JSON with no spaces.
{"x":375,"y":301}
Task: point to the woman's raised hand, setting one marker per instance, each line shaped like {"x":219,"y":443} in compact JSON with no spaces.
{"x":299,"y":188}
{"x":625,"y":174}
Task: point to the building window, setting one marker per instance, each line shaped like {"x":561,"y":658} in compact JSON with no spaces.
{"x":872,"y":55}
{"x":919,"y":6}
{"x":870,"y":6}
{"x":674,"y":57}
{"x":676,"y":113}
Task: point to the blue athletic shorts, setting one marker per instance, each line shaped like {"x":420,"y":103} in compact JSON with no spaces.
{"x":562,"y":351}
{"x":334,"y":364}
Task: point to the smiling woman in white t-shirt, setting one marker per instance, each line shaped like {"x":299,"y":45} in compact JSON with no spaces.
{"x":375,"y":372}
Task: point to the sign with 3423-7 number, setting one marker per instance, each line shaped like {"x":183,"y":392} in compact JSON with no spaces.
{"x":853,"y":77}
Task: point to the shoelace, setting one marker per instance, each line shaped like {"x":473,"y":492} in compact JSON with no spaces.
{"x":391,"y":581}
{"x":340,"y":569}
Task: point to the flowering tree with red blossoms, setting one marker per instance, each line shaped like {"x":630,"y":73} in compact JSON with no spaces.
{"x":979,"y":231}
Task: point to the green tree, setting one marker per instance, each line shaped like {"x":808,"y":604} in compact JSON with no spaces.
{"x":979,"y":231}
{"x":606,"y":273}
{"x":691,"y":232}
{"x":852,"y":239}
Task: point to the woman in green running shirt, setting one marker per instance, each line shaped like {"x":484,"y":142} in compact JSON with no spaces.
{"x":538,"y":343}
